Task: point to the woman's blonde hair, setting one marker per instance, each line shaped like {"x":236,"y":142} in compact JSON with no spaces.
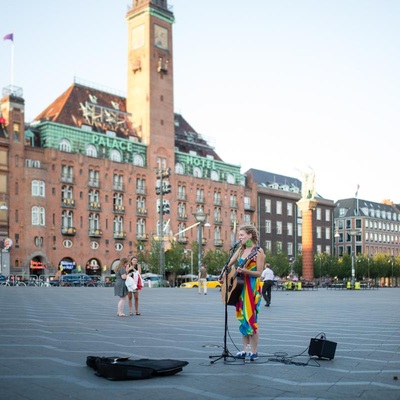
{"x":250,"y":230}
{"x":121,"y":264}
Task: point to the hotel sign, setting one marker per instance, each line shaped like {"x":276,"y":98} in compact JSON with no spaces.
{"x":112,"y":143}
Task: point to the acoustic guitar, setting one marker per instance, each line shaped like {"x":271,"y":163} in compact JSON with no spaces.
{"x":233,"y":284}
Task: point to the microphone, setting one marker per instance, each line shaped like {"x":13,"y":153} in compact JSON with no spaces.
{"x":235,"y":245}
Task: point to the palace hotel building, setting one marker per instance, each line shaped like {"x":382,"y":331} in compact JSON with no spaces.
{"x":78,"y":184}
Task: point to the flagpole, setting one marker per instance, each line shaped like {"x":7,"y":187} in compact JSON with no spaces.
{"x":12,"y":65}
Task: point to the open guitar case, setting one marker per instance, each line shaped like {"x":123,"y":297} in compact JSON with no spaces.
{"x":125,"y":368}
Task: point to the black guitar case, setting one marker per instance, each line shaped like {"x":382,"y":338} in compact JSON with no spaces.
{"x":124,"y":368}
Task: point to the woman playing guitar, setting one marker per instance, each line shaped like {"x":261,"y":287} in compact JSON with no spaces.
{"x":250,"y":260}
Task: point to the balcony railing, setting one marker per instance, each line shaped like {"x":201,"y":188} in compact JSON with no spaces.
{"x":67,"y":178}
{"x":182,"y":196}
{"x":94,"y":183}
{"x":233,"y":204}
{"x":95,"y":233}
{"x":200,"y":199}
{"x":249,"y":207}
{"x":218,"y":220}
{"x":142,"y":212}
{"x":94,"y":206}
{"x":234,"y":222}
{"x":70,"y":203}
{"x":142,"y":236}
{"x":119,"y":209}
{"x":68,"y":231}
{"x":183,"y":239}
{"x":182,"y":217}
{"x":141,"y":190}
{"x":217,"y":202}
{"x":119,"y":235}
{"x":118,"y":186}
{"x":218,"y":242}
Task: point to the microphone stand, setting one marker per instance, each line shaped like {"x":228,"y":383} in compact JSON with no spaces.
{"x":225,"y":352}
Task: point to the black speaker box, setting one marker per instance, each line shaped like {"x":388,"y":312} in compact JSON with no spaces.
{"x":322,"y":348}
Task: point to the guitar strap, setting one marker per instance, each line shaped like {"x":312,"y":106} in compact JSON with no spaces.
{"x":250,"y":256}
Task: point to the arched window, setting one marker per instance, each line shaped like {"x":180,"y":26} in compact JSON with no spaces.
{"x":138,"y":160}
{"x":214,"y":176}
{"x":197,"y":173}
{"x":179,"y":168}
{"x":91,"y":151}
{"x":115,"y":155}
{"x":65,"y":145}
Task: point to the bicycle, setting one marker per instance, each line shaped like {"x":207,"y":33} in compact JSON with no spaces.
{"x":13,"y":282}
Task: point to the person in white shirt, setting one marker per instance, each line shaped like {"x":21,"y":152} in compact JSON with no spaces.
{"x":267,"y":277}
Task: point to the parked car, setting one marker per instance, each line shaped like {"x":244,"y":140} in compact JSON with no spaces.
{"x":154,"y":280}
{"x":77,"y":280}
{"x":212,"y":283}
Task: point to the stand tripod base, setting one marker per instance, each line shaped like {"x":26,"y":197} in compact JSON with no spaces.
{"x":225,"y":355}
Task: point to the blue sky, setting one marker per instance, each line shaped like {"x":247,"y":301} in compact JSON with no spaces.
{"x":279,"y":85}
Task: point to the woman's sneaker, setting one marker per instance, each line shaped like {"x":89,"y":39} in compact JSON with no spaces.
{"x":241,"y":354}
{"x":253,"y":356}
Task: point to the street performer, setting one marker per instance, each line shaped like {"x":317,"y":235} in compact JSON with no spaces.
{"x":249,"y":258}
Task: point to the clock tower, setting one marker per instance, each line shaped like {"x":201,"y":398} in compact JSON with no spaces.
{"x":150,"y":99}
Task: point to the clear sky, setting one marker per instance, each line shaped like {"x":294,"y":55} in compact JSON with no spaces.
{"x":276,"y":85}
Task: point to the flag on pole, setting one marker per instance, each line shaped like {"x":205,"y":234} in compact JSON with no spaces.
{"x":358,"y":187}
{"x":10,"y":36}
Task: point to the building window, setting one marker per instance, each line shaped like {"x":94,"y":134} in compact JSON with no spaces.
{"x":91,"y":151}
{"x":279,"y":227}
{"x":67,"y":219}
{"x":289,"y":209}
{"x":268,"y":246}
{"x":141,"y":226}
{"x":230,"y":179}
{"x":67,"y":173}
{"x":327,"y":215}
{"x":65,"y":145}
{"x":290,"y":229}
{"x":115,"y":155}
{"x":138,"y":160}
{"x":327,"y":233}
{"x":214,"y":176}
{"x":38,"y":188}
{"x":16,"y":130}
{"x":38,"y":216}
{"x":94,"y":178}
{"x":279,"y":207}
{"x":290,"y":248}
{"x":319,"y":233}
{"x":267,"y":226}
{"x":197,"y":172}
{"x":66,"y":192}
{"x":267,"y":205}
{"x":179,"y":169}
{"x":94,"y":222}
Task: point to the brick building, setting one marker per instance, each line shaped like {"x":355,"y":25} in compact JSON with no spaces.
{"x":79,"y":183}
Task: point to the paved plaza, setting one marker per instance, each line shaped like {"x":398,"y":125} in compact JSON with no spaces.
{"x":47,"y":333}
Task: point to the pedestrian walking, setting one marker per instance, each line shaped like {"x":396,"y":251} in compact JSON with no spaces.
{"x":203,"y":279}
{"x":267,"y":277}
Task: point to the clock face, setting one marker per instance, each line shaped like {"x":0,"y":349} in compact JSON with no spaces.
{"x":160,"y":37}
{"x":138,"y":37}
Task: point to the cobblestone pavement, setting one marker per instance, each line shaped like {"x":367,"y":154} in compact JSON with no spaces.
{"x":47,"y":333}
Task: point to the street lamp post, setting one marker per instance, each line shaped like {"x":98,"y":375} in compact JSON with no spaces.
{"x":353,"y":233}
{"x":162,"y":187}
{"x":201,"y":219}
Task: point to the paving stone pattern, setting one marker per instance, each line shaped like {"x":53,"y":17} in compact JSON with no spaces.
{"x":47,"y":333}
